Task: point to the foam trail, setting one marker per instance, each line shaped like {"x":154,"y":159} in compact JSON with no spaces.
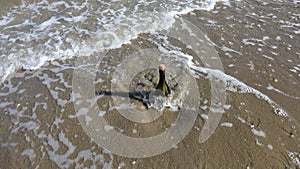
{"x":232,"y":84}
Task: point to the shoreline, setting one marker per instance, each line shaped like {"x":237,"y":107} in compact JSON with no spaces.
{"x":242,"y":124}
{"x":41,"y":129}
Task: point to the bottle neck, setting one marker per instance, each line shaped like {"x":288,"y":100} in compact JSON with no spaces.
{"x":162,"y":84}
{"x":162,"y":75}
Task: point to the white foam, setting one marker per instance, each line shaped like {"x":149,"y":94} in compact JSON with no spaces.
{"x":4,"y":104}
{"x":295,"y":158}
{"x":258,"y":143}
{"x":203,"y":107}
{"x":30,"y":153}
{"x":85,"y":29}
{"x":270,"y":87}
{"x":8,"y":144}
{"x":134,"y":131}
{"x":226,"y":49}
{"x":227,"y":106}
{"x":63,"y":160}
{"x":270,"y":146}
{"x":241,"y":119}
{"x":102,"y":113}
{"x":36,"y":105}
{"x":232,"y":84}
{"x":30,"y":125}
{"x":227,"y":124}
{"x":255,"y":41}
{"x":122,"y":165}
{"x":204,"y":116}
{"x":259,"y":133}
{"x":82,"y":111}
{"x":108,"y":128}
{"x":122,"y":106}
{"x":53,"y":143}
{"x":217,"y":109}
{"x":87,"y":119}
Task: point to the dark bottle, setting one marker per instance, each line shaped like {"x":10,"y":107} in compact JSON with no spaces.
{"x":162,"y":84}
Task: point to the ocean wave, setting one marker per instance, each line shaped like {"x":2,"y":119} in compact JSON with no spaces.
{"x":35,"y":32}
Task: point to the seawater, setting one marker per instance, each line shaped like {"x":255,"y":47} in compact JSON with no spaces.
{"x":33,"y":32}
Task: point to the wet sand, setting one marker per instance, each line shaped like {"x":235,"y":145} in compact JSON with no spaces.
{"x":39,"y":127}
{"x":259,"y":63}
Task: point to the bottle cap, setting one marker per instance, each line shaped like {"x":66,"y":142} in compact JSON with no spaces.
{"x":162,"y":67}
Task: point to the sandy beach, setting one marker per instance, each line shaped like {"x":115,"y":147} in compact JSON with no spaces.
{"x":41,"y":128}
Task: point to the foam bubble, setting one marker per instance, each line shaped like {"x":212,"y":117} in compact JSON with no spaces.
{"x":258,"y":132}
{"x":295,"y":158}
{"x":227,"y":124}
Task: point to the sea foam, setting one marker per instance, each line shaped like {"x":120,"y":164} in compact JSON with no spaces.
{"x":33,"y":33}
